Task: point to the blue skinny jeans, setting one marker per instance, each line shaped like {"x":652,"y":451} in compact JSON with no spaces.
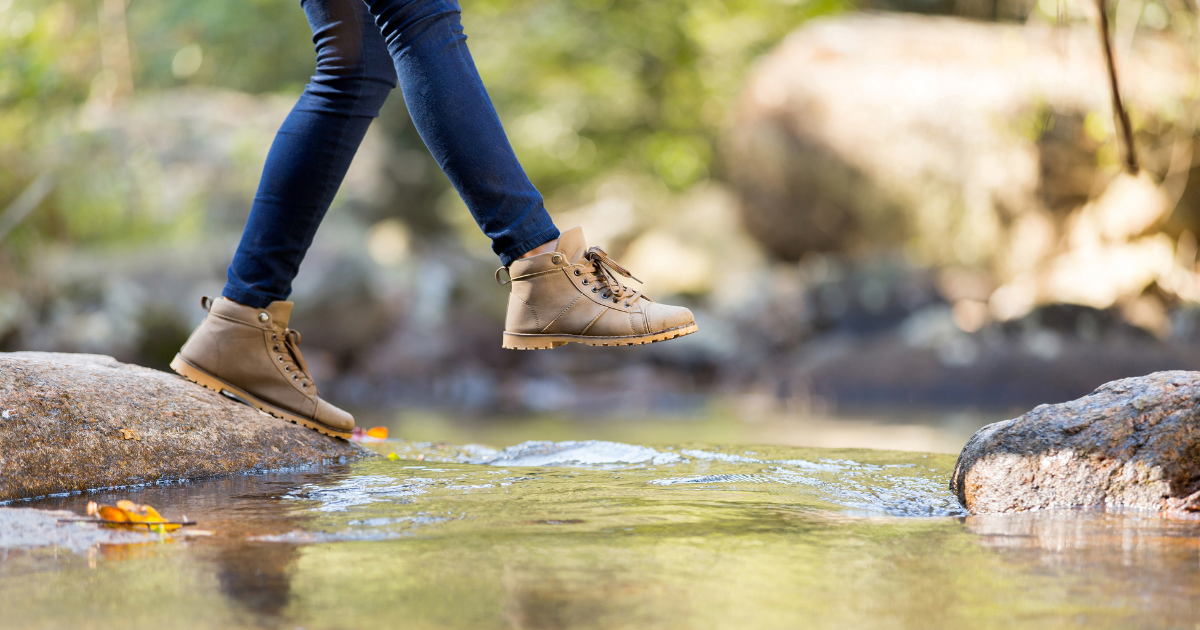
{"x":362,"y":47}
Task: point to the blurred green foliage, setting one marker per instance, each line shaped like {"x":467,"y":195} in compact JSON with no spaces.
{"x":585,"y":87}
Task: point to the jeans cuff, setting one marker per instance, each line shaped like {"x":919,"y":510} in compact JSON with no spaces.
{"x":246,"y":298}
{"x":545,"y":236}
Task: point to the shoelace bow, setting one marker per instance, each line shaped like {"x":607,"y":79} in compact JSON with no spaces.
{"x":292,"y":360}
{"x":605,"y":270}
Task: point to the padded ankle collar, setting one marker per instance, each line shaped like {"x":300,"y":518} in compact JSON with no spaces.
{"x":275,"y":316}
{"x":537,"y":264}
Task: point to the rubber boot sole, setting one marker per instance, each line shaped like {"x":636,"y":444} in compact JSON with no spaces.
{"x":196,"y":375}
{"x":536,"y":341}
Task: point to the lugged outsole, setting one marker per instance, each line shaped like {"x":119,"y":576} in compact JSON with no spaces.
{"x":533,"y":341}
{"x":200,"y":377}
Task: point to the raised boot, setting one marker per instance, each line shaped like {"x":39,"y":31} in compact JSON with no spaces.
{"x":251,"y":354}
{"x":573,"y":294}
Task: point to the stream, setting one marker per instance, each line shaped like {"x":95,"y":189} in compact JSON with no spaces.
{"x":597,"y":534}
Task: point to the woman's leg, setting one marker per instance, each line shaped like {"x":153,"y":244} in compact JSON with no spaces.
{"x":313,"y":150}
{"x":451,"y":110}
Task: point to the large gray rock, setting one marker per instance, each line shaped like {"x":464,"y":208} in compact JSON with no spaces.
{"x":1132,"y":443}
{"x":871,"y":130}
{"x":77,"y":421}
{"x":973,"y":145}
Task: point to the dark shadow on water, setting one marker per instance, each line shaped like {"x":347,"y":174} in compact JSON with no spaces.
{"x":258,"y":576}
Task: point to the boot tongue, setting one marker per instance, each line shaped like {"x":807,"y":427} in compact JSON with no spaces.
{"x":572,"y":245}
{"x":280,"y":312}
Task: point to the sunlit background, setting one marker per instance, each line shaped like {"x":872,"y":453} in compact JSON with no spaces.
{"x":895,"y":222}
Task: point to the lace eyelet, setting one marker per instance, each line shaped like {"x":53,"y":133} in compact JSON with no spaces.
{"x":287,"y":368}
{"x":615,"y":300}
{"x":295,"y":377}
{"x":605,"y":295}
{"x":274,"y":337}
{"x":304,"y":385}
{"x":577,"y":273}
{"x":586,"y":282}
{"x":595,"y":289}
{"x":280,"y":359}
{"x":276,"y":348}
{"x":627,"y":305}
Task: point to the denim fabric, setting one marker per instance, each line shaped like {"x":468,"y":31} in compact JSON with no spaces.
{"x":362,"y":46}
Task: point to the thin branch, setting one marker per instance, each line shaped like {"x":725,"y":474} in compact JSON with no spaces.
{"x":1128,"y":150}
{"x":25,"y":203}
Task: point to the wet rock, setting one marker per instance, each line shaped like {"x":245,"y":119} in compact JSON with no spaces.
{"x":72,"y":422}
{"x":1132,"y":443}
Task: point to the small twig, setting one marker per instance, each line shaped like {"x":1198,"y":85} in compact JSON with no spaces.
{"x":1130,"y":153}
{"x":107,"y":522}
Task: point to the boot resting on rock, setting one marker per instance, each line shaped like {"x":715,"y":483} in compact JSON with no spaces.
{"x":251,"y":354}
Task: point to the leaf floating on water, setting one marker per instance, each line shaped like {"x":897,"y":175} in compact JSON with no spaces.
{"x":129,"y":515}
{"x":393,"y":456}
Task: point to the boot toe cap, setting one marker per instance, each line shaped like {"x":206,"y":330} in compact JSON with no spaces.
{"x":333,"y":417}
{"x":665,"y":317}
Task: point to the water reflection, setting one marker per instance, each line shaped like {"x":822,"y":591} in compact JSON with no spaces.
{"x":257,"y":576}
{"x":1102,"y":538}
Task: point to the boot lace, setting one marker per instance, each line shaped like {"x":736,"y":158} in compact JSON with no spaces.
{"x":604,"y":272}
{"x":288,"y":353}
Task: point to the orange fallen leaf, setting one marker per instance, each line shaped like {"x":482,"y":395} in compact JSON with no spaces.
{"x":126,"y":512}
{"x":112,"y":514}
{"x":379,"y":433}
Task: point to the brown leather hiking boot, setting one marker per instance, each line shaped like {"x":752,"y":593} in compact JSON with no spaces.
{"x":251,"y":354}
{"x":572,"y":295}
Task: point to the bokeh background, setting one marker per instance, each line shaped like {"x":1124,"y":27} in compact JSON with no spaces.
{"x":894,"y":220}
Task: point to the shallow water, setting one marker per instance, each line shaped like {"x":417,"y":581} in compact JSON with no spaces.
{"x":610,"y":535}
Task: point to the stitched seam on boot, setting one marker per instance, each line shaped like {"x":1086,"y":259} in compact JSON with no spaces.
{"x":532,"y":311}
{"x":589,"y":326}
{"x":216,"y":350}
{"x":632,"y":328}
{"x":236,"y":321}
{"x":564,"y":311}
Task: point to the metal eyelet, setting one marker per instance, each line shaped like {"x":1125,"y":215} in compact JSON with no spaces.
{"x":287,"y":368}
{"x":627,"y":305}
{"x":280,"y":359}
{"x":595,"y":289}
{"x":556,"y":259}
{"x":295,"y":377}
{"x":304,"y":385}
{"x":605,"y":295}
{"x":585,"y":281}
{"x":276,"y":348}
{"x":274,"y":337}
{"x":263,"y":317}
{"x":577,"y":273}
{"x":615,"y":300}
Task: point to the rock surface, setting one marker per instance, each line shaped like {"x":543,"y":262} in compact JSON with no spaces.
{"x":1132,"y":443}
{"x":76,"y":421}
